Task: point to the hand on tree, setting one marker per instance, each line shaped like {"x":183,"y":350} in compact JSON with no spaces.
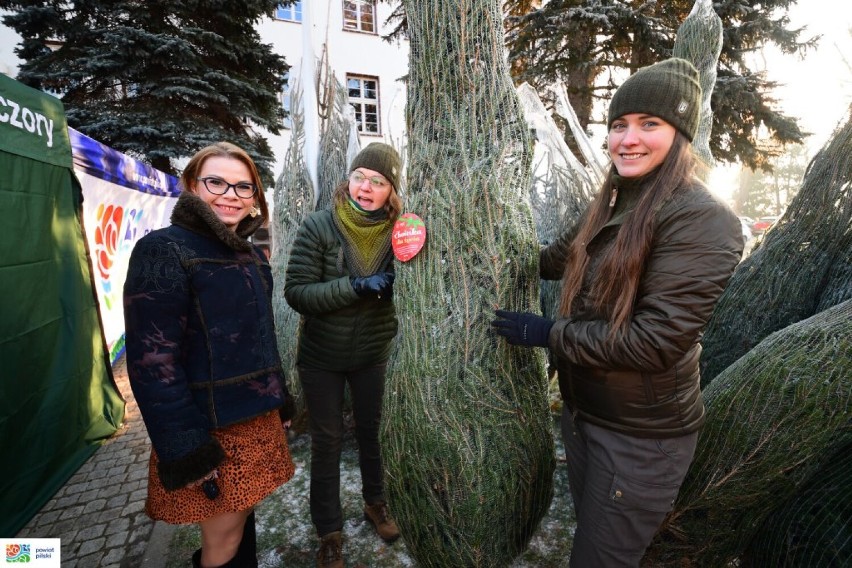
{"x":521,"y":328}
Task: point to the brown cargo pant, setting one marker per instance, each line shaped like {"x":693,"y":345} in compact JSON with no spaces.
{"x":622,"y":487}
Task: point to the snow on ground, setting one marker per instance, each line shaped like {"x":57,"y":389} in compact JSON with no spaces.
{"x":286,"y":537}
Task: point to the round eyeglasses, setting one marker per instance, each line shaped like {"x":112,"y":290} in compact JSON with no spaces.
{"x":218,"y":186}
{"x":375,"y":182}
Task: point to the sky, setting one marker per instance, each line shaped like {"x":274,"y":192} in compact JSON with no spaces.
{"x":818,"y":89}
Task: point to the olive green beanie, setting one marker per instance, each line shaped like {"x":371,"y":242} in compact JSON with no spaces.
{"x":381,"y":158}
{"x":668,"y":89}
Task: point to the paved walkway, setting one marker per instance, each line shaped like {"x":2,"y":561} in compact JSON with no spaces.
{"x":98,"y":514}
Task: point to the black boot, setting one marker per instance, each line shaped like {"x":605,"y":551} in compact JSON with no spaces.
{"x":238,"y":561}
{"x":247,"y":552}
{"x":246,"y":556}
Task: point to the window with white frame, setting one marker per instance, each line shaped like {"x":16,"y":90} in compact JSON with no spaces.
{"x":359,"y":15}
{"x":291,"y":13}
{"x":285,"y":100}
{"x":364,"y":98}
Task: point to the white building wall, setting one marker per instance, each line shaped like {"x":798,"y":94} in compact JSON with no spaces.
{"x":347,"y":52}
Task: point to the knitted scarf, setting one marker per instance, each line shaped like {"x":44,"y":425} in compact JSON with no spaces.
{"x":364,"y":237}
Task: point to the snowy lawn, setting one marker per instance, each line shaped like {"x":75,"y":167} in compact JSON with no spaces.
{"x":286,"y":537}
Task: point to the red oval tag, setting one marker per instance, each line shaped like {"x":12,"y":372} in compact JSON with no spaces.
{"x":408,"y":236}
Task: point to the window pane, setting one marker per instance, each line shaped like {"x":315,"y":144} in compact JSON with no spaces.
{"x":367,"y":19}
{"x":350,"y":15}
{"x":290,"y":13}
{"x":364,"y":98}
{"x":358,"y":118}
{"x":354,"y":86}
{"x":370,"y":90}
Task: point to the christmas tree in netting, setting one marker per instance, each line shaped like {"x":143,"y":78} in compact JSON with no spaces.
{"x":812,"y":528}
{"x":338,"y":138}
{"x":775,"y":418}
{"x":466,"y":431}
{"x":294,"y":198}
{"x":699,"y":41}
{"x":561,"y":188}
{"x":802,"y":266}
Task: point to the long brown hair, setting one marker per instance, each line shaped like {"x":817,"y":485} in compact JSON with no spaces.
{"x":224,"y":150}
{"x":617,"y":281}
{"x":393,"y":206}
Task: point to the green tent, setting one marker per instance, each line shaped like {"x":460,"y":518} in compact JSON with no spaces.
{"x":58,"y":399}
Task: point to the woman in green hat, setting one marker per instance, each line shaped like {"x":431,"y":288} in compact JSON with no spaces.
{"x":641,"y":272}
{"x":340,"y":279}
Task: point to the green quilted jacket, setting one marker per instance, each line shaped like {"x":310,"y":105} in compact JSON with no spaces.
{"x":339,"y":331}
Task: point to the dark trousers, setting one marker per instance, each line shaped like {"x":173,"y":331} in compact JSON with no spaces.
{"x":623,"y":487}
{"x":324,"y":391}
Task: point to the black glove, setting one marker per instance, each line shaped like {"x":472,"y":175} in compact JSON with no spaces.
{"x":519,"y":328}
{"x":379,"y":285}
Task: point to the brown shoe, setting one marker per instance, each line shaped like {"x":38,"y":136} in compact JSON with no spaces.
{"x":378,"y":514}
{"x":330,"y":553}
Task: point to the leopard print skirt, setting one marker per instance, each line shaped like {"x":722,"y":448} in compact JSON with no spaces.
{"x":257,"y":462}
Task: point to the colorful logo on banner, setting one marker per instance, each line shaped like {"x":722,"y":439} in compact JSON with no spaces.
{"x":17,"y":553}
{"x":408,"y":236}
{"x":115,"y":233}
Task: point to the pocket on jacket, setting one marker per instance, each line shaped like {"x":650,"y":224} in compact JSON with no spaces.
{"x":637,"y":494}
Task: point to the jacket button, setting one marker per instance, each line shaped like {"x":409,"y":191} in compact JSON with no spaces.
{"x":618,"y":494}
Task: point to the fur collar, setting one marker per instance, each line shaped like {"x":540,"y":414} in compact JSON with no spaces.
{"x":192,"y":213}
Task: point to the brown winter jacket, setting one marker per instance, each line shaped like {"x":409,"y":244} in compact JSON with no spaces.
{"x":645,"y":383}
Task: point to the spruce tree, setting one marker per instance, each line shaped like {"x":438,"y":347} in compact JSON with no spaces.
{"x":157,"y":80}
{"x":584,"y":43}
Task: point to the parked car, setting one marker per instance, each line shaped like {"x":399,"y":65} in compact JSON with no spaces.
{"x":759,"y":227}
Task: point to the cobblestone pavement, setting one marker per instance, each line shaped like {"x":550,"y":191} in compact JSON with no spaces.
{"x":98,"y":514}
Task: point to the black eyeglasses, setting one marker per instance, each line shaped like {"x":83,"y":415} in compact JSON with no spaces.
{"x":218,"y":186}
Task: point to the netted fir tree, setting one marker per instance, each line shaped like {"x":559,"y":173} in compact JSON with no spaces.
{"x":295,"y":198}
{"x":466,"y":432}
{"x":560,"y":191}
{"x":157,"y":80}
{"x":776,"y":419}
{"x":802,"y":266}
{"x":699,"y":41}
{"x":812,"y":527}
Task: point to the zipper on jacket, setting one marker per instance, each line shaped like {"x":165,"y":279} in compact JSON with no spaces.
{"x":614,"y":196}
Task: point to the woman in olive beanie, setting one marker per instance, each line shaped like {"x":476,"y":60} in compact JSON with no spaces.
{"x":641,"y":272}
{"x":340,"y":278}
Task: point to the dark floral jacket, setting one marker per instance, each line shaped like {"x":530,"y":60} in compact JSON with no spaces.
{"x":200,"y":336}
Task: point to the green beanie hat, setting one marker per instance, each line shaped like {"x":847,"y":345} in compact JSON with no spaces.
{"x":668,"y":89}
{"x":381,"y":158}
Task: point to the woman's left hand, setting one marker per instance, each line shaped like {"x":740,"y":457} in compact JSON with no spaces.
{"x":522,"y":328}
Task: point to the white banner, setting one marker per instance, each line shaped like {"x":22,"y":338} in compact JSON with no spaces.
{"x":123,"y":200}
